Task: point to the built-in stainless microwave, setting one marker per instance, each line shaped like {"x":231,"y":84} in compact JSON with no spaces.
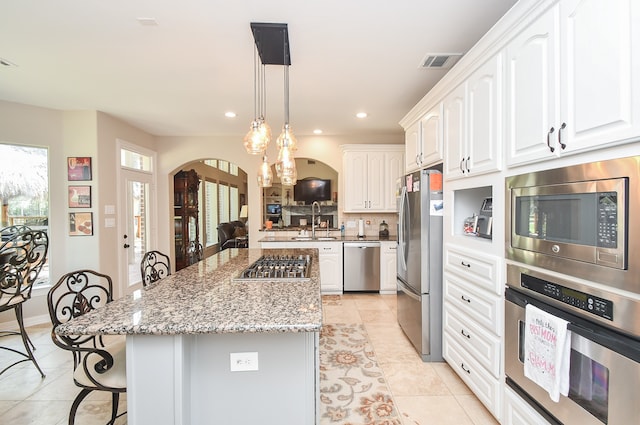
{"x":581,"y":220}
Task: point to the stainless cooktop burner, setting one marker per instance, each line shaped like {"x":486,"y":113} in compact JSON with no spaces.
{"x":270,"y":267}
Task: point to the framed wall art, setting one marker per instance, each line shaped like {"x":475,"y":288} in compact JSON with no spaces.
{"x":79,"y":197}
{"x":79,"y":168}
{"x":80,"y":224}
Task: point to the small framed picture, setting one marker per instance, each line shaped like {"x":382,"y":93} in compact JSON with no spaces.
{"x":79,"y":196}
{"x":79,"y":168}
{"x":80,"y":224}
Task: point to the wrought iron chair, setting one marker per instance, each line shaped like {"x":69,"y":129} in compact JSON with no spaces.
{"x":21,"y":259}
{"x":9,"y":232}
{"x":99,"y":362}
{"x":195,"y":252}
{"x":154,"y":266}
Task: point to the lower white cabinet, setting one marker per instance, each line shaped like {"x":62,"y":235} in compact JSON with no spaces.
{"x":330,"y":267}
{"x":519,"y":412}
{"x":388,"y":271}
{"x":330,"y":256}
{"x":473,"y":322}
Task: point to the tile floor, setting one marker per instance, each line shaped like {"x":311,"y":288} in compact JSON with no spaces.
{"x":426,"y":393}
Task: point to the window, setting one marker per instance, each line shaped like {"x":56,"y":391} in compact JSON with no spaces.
{"x":24,"y":191}
{"x":223,"y":198}
{"x":234,"y":203}
{"x":135,"y":160}
{"x":211,"y":216}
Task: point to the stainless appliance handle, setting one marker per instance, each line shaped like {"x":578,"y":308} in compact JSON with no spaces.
{"x":408,"y":291}
{"x":402,"y":226}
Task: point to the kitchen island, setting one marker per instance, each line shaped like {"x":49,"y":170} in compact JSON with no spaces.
{"x":205,"y":348}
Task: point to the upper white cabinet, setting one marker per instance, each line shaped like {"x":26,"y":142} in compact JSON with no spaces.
{"x":572,"y":81}
{"x":472,"y":125}
{"x":423,"y":141}
{"x":370,"y":173}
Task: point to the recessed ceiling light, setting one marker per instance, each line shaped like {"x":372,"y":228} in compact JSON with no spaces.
{"x":230,"y":114}
{"x":148,"y":22}
{"x":317,"y":131}
{"x":361,"y":115}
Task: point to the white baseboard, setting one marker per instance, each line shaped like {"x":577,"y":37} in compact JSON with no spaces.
{"x":30,"y":321}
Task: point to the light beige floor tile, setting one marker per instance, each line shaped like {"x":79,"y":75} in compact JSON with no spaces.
{"x":377,"y":316}
{"x":6,"y":405}
{"x":476,"y":410}
{"x":369,"y":302}
{"x":451,"y":379}
{"x":431,"y":410}
{"x":340,"y":315}
{"x":37,"y":412}
{"x":413,"y":378}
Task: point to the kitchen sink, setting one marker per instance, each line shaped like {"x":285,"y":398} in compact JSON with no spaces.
{"x":326,"y":238}
{"x":309,"y":238}
{"x":302,"y":238}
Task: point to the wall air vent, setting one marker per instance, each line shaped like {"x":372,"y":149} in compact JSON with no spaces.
{"x":440,"y":60}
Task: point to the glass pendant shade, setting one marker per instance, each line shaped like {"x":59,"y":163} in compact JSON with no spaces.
{"x":254,"y":142}
{"x":288,"y":137}
{"x":265,"y":176}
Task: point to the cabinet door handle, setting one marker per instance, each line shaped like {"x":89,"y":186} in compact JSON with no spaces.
{"x":465,"y":369}
{"x":465,"y":299}
{"x":468,"y":336}
{"x":551,"y":148}
{"x":465,"y":264}
{"x":125,"y":245}
{"x":461,"y":168}
{"x":417,"y":159}
{"x":562,"y":127}
{"x":466,"y":163}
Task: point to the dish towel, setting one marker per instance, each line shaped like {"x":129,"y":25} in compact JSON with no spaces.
{"x":547,"y":344}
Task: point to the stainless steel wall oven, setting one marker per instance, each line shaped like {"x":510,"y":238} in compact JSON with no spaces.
{"x":605,"y":360}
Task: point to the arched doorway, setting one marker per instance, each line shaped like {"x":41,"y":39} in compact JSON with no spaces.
{"x":221,"y":194}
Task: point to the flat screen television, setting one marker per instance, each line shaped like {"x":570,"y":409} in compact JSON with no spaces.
{"x":274,"y":209}
{"x":310,"y":190}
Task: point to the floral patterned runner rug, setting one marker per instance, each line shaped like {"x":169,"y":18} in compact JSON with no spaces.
{"x":353,"y":390}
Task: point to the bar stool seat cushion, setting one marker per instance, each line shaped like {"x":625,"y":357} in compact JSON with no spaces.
{"x":115,"y":377}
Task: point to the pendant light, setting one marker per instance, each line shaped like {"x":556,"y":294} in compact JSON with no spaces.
{"x":265,"y":176}
{"x":259,"y":135}
{"x":287,"y":143}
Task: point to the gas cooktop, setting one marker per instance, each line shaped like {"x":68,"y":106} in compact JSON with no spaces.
{"x":278,"y":267}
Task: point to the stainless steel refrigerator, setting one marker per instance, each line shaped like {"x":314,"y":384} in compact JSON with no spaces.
{"x":420,"y":211}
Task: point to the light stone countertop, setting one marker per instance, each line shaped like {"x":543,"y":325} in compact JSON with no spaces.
{"x":319,"y":238}
{"x":204,"y":298}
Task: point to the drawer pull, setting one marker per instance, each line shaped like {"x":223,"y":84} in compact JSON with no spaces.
{"x":465,"y":264}
{"x":465,"y":369}
{"x":465,"y":298}
{"x":465,"y":334}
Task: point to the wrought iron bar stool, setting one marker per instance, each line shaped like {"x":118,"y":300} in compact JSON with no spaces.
{"x":99,"y":361}
{"x":22,"y":256}
{"x":154,"y":266}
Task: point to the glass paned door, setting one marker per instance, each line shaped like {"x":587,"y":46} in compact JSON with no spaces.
{"x":136,"y":225}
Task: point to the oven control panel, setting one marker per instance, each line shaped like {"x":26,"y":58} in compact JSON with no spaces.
{"x":580,"y":300}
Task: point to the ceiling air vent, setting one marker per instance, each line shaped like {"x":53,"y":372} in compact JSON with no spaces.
{"x":440,"y":60}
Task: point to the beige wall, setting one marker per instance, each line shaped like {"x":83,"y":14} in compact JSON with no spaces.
{"x":95,"y":134}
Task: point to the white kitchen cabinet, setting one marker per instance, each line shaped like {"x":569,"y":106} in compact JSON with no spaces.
{"x":519,"y":412}
{"x":370,"y":173}
{"x":388,"y":268}
{"x":473,"y":321}
{"x":423,"y":141}
{"x":570,"y":88}
{"x":472,"y":124}
{"x":330,"y":257}
{"x":330,"y":254}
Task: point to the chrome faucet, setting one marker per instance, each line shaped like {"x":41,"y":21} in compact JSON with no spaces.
{"x":313,"y":217}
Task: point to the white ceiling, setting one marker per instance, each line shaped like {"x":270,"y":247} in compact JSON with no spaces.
{"x":180,"y":77}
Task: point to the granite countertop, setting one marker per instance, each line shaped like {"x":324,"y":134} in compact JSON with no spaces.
{"x":347,"y":238}
{"x":204,"y":298}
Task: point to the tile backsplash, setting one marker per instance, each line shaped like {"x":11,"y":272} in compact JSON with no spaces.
{"x":371,"y":222}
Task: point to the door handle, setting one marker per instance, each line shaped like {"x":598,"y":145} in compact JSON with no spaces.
{"x":125,"y":245}
{"x":551,"y":148}
{"x":562,"y":127}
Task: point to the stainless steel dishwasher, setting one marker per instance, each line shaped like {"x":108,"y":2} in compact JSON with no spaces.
{"x":361,"y":266}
